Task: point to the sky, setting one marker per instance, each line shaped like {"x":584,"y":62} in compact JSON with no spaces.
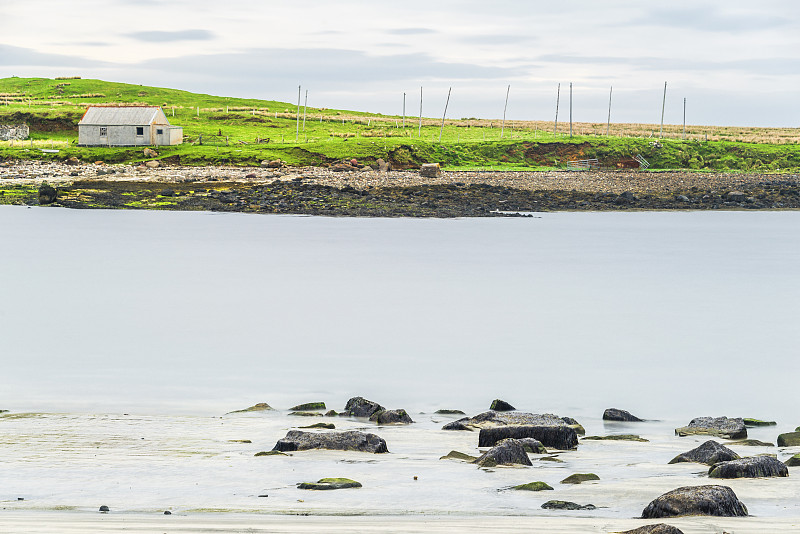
{"x":737,"y":63}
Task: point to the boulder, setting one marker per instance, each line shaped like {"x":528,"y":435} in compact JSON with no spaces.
{"x":152,"y":164}
{"x":297,"y":440}
{"x":708,"y":453}
{"x":361,"y":407}
{"x":533,"y":446}
{"x":274,"y":164}
{"x":449,"y":412}
{"x":382,"y":165}
{"x":260,"y":407}
{"x":308,"y":406}
{"x":533,"y":486}
{"x":391,"y":417}
{"x":329,"y":484}
{"x":455,"y":455}
{"x":47,"y":194}
{"x":556,"y":437}
{"x":501,"y":406}
{"x":618,"y":437}
{"x":753,"y":467}
{"x":566,"y":505}
{"x":749,"y":421}
{"x":577,"y":478}
{"x":658,"y":528}
{"x":718,"y":501}
{"x":73,"y":161}
{"x":507,"y":452}
{"x":794,"y":461}
{"x":493,"y":419}
{"x":790,"y":439}
{"x":723,"y":427}
{"x":150,"y":153}
{"x":615,"y":414}
{"x":430,"y":170}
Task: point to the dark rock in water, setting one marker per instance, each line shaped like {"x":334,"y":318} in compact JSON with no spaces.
{"x":790,"y":439}
{"x":618,"y":437}
{"x":723,"y":427}
{"x":167,"y":512}
{"x":658,"y":528}
{"x":297,"y":440}
{"x":309,"y":406}
{"x":329,"y":426}
{"x":104,"y":508}
{"x":270,"y":453}
{"x":391,"y":417}
{"x":556,"y":437}
{"x":749,"y":421}
{"x":753,"y":467}
{"x":794,"y":461}
{"x":501,"y":406}
{"x":566,"y":505}
{"x":361,"y":407}
{"x":449,"y":412}
{"x":330,"y":484}
{"x":574,"y":424}
{"x":718,"y":501}
{"x":260,"y":407}
{"x":455,"y":455}
{"x":533,"y":446}
{"x":306,"y":414}
{"x":331,"y":413}
{"x":533,"y":486}
{"x":614,"y":414}
{"x":577,"y":478}
{"x":708,"y":453}
{"x":507,"y":452}
{"x":752,"y":443}
{"x":47,"y":193}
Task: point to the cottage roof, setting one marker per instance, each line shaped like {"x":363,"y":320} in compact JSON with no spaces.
{"x":120,"y":116}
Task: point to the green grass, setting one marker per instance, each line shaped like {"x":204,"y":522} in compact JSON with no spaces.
{"x":246,"y":131}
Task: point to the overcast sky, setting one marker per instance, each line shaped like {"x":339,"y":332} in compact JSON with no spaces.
{"x":737,"y":62}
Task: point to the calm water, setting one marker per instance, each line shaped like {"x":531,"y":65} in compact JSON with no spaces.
{"x":177,"y":318}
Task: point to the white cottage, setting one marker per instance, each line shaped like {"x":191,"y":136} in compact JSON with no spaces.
{"x":127,"y":126}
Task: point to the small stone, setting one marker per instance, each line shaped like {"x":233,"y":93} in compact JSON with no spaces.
{"x":260,"y":407}
{"x":104,"y":508}
{"x":430,"y":170}
{"x":618,"y":437}
{"x":167,"y":512}
{"x":150,"y":153}
{"x":577,"y":478}
{"x":749,"y":421}
{"x":329,"y":484}
{"x":152,"y":164}
{"x":533,"y":486}
{"x":615,"y":414}
{"x":329,"y":426}
{"x":47,"y":194}
{"x":455,"y":455}
{"x":270,"y":453}
{"x":501,"y":406}
{"x":566,"y":505}
{"x":449,"y":412}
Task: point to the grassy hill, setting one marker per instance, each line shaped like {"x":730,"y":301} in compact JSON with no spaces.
{"x":220,"y":130}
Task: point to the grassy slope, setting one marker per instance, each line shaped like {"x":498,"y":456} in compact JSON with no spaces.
{"x":231,"y":129}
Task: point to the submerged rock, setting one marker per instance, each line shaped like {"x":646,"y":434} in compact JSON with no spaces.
{"x":270,"y":453}
{"x":306,"y":414}
{"x":718,"y":501}
{"x":749,"y":421}
{"x":309,"y":406}
{"x":361,"y":407}
{"x":618,"y":437}
{"x":615,"y":414}
{"x":533,"y":486}
{"x":658,"y":528}
{"x":790,"y":439}
{"x":501,"y":406}
{"x":329,"y":484}
{"x":708,"y":453}
{"x":566,"y":505}
{"x":329,"y":426}
{"x":297,"y":440}
{"x":391,"y":417}
{"x":260,"y":407}
{"x":557,"y":437}
{"x":753,"y":467}
{"x":507,"y":452}
{"x":752,"y":443}
{"x":455,"y":455}
{"x":577,"y":478}
{"x":723,"y":427}
{"x":449,"y":412}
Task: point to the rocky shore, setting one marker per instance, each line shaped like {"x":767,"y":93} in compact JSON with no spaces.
{"x":354,"y":191}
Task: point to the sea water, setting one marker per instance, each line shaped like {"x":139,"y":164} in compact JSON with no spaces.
{"x":127,"y":336}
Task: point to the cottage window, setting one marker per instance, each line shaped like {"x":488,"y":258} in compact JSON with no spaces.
{"x":103,"y":131}
{"x":140,"y":130}
{"x":159,"y":131}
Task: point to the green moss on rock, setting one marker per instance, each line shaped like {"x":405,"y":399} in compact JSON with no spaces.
{"x":533,"y":486}
{"x":794,"y":461}
{"x":271,"y":453}
{"x":577,"y":478}
{"x":329,"y":426}
{"x":455,"y":455}
{"x":749,"y":421}
{"x":260,"y":407}
{"x":330,"y":484}
{"x":790,"y":439}
{"x":309,"y":406}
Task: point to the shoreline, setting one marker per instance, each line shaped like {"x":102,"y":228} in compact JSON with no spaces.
{"x":322,"y":191}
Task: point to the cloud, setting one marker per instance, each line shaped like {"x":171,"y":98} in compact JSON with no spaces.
{"x":710,"y":19}
{"x":411,"y":31}
{"x":15,"y":56}
{"x":164,"y":37}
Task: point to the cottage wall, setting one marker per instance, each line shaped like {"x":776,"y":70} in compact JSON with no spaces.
{"x":89,"y":135}
{"x":9,"y":132}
